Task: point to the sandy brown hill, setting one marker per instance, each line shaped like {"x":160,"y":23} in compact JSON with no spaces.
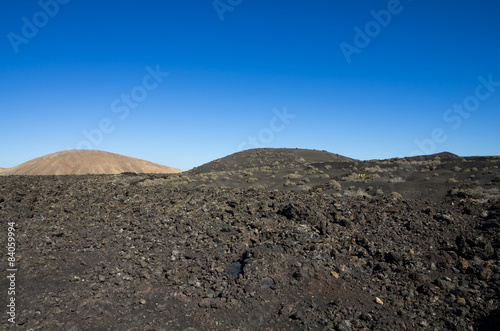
{"x":271,"y":157}
{"x":81,"y":162}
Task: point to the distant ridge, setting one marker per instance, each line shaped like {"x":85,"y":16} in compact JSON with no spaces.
{"x":443,"y":155}
{"x":82,"y":162}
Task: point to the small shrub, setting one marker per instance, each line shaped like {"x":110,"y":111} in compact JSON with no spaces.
{"x":374,"y":169}
{"x":252,"y":180}
{"x":311,"y":170}
{"x":335,"y":185}
{"x":324,"y":176}
{"x":379,"y":192}
{"x":328,"y":166}
{"x":372,"y":176}
{"x":351,"y":177}
{"x":355,"y":193}
{"x":397,"y":180}
{"x":395,"y":195}
{"x":457,"y":168}
{"x":303,"y":181}
{"x":451,"y":180}
{"x":293,"y":176}
{"x":174,"y":184}
{"x":305,"y":187}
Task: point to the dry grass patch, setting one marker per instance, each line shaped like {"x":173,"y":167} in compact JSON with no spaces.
{"x":293,"y":176}
{"x":335,"y":185}
{"x":397,"y":180}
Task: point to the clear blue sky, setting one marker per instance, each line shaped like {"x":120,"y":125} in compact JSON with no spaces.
{"x":82,"y":65}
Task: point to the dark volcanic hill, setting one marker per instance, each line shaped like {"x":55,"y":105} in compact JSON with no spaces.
{"x":433,"y":176}
{"x":442,"y":156}
{"x":271,"y":157}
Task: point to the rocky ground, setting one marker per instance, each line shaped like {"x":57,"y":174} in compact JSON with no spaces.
{"x":110,"y":253}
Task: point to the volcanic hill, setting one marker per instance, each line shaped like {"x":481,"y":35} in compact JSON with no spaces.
{"x":81,"y":162}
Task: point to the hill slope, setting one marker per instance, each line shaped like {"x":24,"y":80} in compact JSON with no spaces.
{"x":81,"y":162}
{"x":271,"y":157}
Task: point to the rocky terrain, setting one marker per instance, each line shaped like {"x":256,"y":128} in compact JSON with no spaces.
{"x":143,"y":252}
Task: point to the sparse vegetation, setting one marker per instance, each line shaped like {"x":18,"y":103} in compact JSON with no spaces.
{"x":174,"y":184}
{"x":374,"y":169}
{"x":397,"y":180}
{"x":476,"y":192}
{"x":335,"y":185}
{"x":395,"y":195}
{"x":355,"y":193}
{"x":293,"y":176}
{"x":305,"y":187}
{"x":304,"y":181}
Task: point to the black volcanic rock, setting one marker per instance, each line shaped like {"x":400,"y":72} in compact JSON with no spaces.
{"x":99,"y":252}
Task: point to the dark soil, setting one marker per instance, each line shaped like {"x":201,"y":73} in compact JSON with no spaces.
{"x":111,"y":253}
